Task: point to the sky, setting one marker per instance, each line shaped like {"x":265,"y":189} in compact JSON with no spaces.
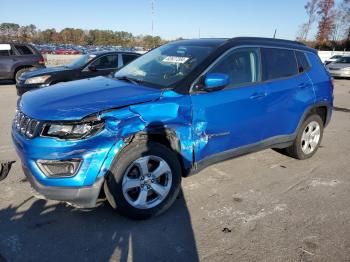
{"x":172,"y":18}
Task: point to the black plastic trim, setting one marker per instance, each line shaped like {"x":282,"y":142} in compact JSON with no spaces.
{"x":276,"y":142}
{"x":84,"y":197}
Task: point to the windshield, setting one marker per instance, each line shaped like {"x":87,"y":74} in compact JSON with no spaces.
{"x":344,"y":60}
{"x":165,"y":65}
{"x":81,"y":61}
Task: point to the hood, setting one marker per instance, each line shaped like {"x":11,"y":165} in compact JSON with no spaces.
{"x":76,"y":99}
{"x":338,"y":65}
{"x":44,"y":71}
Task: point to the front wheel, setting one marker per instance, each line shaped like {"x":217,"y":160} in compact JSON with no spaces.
{"x":144,"y":180}
{"x":308,"y":138}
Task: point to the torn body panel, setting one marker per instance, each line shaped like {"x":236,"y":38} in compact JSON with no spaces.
{"x":170,"y":117}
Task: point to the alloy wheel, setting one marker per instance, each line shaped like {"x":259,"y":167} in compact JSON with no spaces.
{"x":147,"y":182}
{"x":311,"y":137}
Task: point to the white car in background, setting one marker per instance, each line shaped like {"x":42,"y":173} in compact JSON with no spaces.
{"x":340,"y":68}
{"x":332,"y":59}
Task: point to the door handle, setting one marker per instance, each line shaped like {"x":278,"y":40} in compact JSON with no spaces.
{"x":258,"y":95}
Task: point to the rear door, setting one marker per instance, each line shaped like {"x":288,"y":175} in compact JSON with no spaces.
{"x":6,"y":62}
{"x":290,"y":90}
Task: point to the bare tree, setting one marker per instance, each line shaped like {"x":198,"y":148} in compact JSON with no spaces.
{"x":346,"y":16}
{"x":302,"y":32}
{"x":311,"y":9}
{"x":341,"y":26}
{"x":326,"y":23}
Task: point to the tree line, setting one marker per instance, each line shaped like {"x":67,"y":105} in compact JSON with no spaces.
{"x":333,"y":25}
{"x":30,"y":33}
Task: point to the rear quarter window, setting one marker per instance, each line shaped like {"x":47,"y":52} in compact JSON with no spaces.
{"x":23,"y":50}
{"x":303,"y":62}
{"x":278,"y":63}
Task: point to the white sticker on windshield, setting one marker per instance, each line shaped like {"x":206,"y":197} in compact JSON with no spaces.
{"x":175,"y":59}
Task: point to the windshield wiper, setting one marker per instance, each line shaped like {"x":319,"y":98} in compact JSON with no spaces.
{"x":130,"y":79}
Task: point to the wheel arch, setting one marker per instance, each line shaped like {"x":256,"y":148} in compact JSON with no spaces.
{"x":17,"y":68}
{"x":21,"y":67}
{"x":164,"y":136}
{"x":323,"y":109}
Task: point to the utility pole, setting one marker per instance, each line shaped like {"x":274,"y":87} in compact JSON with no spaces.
{"x":152,"y":13}
{"x":152,"y":27}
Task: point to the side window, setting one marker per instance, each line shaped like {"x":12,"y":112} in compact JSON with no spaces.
{"x":23,"y":50}
{"x":4,"y":53}
{"x":278,"y":63}
{"x":127,"y":58}
{"x":106,"y":62}
{"x":303,"y":62}
{"x":241,"y":65}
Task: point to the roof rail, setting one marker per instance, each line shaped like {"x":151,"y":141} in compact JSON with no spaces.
{"x":276,"y":40}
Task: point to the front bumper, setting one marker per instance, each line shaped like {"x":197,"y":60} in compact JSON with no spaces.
{"x":96,"y":153}
{"x":84,"y":197}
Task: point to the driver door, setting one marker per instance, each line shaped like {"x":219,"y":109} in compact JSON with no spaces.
{"x":231,"y":118}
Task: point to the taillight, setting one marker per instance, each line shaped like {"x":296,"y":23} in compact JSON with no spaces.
{"x":41,"y":61}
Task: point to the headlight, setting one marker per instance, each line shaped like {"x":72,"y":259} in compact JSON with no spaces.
{"x":72,"y":131}
{"x":37,"y":80}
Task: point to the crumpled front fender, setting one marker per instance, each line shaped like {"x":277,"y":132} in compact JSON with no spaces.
{"x":170,"y":116}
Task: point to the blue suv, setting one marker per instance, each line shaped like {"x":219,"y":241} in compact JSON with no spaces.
{"x":167,"y":115}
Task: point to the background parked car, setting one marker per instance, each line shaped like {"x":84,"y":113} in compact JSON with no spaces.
{"x":340,"y":68}
{"x":89,"y":65}
{"x":17,"y":58}
{"x":332,"y":59}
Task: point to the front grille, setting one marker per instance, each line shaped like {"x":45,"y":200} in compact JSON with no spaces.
{"x":25,"y":125}
{"x":334,"y":68}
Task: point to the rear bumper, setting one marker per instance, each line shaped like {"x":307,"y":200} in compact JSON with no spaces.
{"x":339,"y":73}
{"x":84,"y":197}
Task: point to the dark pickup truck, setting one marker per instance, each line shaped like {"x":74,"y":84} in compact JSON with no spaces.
{"x":16,"y":58}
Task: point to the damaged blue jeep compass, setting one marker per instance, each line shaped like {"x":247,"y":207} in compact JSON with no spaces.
{"x":167,"y":115}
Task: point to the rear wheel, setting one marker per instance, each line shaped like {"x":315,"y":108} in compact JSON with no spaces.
{"x":308,"y":138}
{"x":144,"y":180}
{"x":21,"y":71}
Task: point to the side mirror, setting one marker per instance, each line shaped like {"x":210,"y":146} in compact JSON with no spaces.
{"x":92,"y":68}
{"x":216,"y":81}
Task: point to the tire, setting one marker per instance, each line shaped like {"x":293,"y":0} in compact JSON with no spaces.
{"x":127,"y":166}
{"x":20,"y":72}
{"x":301,"y":148}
